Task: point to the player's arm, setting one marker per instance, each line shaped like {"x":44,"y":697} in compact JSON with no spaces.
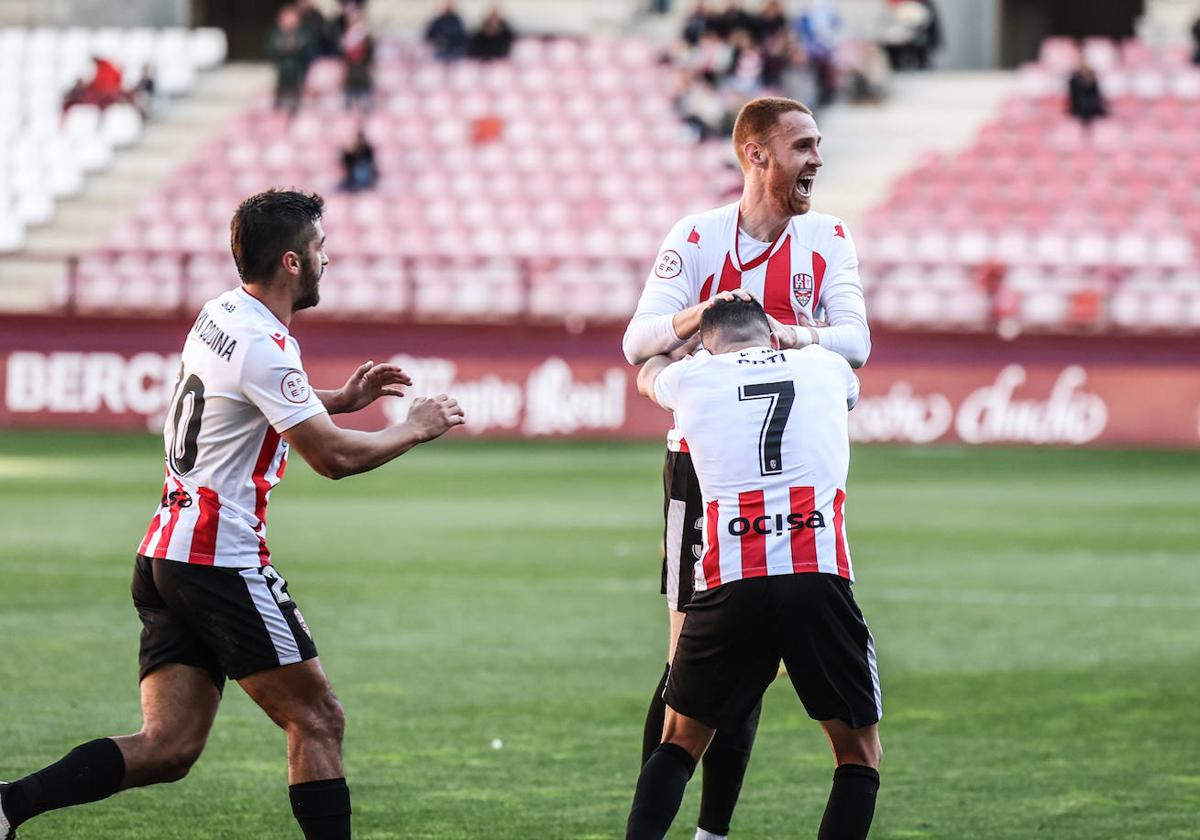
{"x":659,"y":376}
{"x":335,"y":452}
{"x":365,"y":385}
{"x":668,"y":312}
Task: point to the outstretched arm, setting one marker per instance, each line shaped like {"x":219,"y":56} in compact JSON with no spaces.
{"x":365,"y":385}
{"x":335,"y":452}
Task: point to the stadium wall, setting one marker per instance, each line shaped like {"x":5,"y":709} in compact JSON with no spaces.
{"x":539,"y":381}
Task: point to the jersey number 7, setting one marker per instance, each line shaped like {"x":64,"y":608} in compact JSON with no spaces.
{"x":770,"y":438}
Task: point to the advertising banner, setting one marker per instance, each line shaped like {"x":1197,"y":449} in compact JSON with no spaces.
{"x":550,"y":386}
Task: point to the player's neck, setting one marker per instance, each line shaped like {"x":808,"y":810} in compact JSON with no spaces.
{"x":275,"y":297}
{"x":760,"y":216}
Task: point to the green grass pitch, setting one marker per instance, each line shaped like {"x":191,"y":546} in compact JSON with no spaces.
{"x":1037,"y":617}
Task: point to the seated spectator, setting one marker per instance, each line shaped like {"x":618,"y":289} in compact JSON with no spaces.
{"x":907,"y":29}
{"x":104,"y":89}
{"x":818,"y":29}
{"x":1085,"y":102}
{"x":745,"y":77}
{"x":358,"y":165}
{"x":771,"y":20}
{"x":1196,"y":42}
{"x":734,"y":17}
{"x":446,"y":34}
{"x":317,"y":29}
{"x":142,"y":93}
{"x":358,"y":52}
{"x":702,"y":107}
{"x":290,"y":48}
{"x":493,"y":39}
{"x":695,"y":24}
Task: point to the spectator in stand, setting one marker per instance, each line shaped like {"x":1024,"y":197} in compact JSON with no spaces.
{"x":320,"y":34}
{"x":290,"y":48}
{"x":932,"y":36}
{"x":745,"y":77}
{"x":695,"y":25}
{"x":1085,"y":102}
{"x":733,"y":18}
{"x":104,"y":89}
{"x":493,"y":39}
{"x":818,"y":30}
{"x":358,"y":52}
{"x":358,"y":164}
{"x":446,"y":34}
{"x":906,"y":32}
{"x":771,"y":21}
{"x":142,"y":93}
{"x":1196,"y":42}
{"x":702,"y":107}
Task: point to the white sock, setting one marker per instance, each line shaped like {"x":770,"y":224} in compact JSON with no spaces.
{"x":701,"y":834}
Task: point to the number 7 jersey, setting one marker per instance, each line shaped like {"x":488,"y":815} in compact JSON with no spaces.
{"x":241,"y":386}
{"x":767,"y":430}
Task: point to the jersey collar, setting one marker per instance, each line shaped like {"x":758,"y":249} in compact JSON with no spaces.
{"x":261,"y":308}
{"x":761,"y":258}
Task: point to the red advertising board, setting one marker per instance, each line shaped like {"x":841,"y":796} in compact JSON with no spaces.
{"x":530,"y":382}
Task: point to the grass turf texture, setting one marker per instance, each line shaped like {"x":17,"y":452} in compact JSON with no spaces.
{"x":1037,"y":616}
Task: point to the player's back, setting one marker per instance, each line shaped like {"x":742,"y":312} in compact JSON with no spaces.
{"x":767,"y":430}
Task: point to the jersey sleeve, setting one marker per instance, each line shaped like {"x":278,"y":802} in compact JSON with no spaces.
{"x":274,"y":380}
{"x":672,"y":285}
{"x":843,"y":302}
{"x":666,"y":384}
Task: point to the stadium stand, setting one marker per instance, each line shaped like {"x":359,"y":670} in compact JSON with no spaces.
{"x":557,"y":214}
{"x":1041,"y":224}
{"x":46,"y":152}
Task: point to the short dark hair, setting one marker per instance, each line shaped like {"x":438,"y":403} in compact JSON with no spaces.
{"x":735,"y":320}
{"x":268,"y":225}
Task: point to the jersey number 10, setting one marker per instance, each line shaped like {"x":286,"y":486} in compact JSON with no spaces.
{"x":770,"y":438}
{"x":185,"y":425}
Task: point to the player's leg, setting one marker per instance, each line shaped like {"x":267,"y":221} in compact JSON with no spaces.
{"x":652,"y":730}
{"x":179,"y":703}
{"x":831,"y":661}
{"x":665,"y":775}
{"x":300,"y":700}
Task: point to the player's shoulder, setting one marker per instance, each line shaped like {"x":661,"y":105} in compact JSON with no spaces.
{"x":821,"y":227}
{"x":708,"y":222}
{"x":260,"y":335}
{"x":815,"y":354}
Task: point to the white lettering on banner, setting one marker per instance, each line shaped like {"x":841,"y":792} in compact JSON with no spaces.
{"x":557,"y":404}
{"x":551,"y":401}
{"x":901,"y":415}
{"x":84,"y":383}
{"x":489,"y":402}
{"x":992,"y":415}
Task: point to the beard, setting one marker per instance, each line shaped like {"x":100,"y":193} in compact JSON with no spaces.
{"x":309,"y":292}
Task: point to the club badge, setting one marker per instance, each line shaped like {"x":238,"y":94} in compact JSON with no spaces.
{"x":802,"y":288}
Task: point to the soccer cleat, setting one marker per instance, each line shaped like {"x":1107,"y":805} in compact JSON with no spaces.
{"x":7,"y":832}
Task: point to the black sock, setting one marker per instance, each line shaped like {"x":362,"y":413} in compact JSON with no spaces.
{"x":659,"y":792}
{"x":89,"y":772}
{"x":322,"y":808}
{"x":653,"y":730}
{"x":724,"y":768}
{"x":851,"y":803}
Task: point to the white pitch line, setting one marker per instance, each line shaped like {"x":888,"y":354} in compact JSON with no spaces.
{"x":998,"y":598}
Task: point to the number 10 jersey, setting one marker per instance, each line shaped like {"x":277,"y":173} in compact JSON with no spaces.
{"x":241,"y":386}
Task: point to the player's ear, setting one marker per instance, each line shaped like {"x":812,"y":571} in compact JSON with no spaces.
{"x":291,"y":262}
{"x":756,"y":153}
{"x":774,"y":340}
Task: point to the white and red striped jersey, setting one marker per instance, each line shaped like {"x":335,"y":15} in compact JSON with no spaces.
{"x":241,"y":386}
{"x":767,"y":431}
{"x":810,"y":268}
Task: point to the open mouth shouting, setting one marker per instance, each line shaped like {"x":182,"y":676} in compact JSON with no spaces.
{"x":804,"y":185}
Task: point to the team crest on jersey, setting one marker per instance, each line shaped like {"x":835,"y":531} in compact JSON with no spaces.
{"x":802,"y":288}
{"x":669,"y":265}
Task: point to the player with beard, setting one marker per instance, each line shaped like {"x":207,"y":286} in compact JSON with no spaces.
{"x":802,"y":266}
{"x":211,"y":602}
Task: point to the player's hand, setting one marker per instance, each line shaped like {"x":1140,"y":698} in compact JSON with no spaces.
{"x":432,"y":417}
{"x":370,"y":382}
{"x":732,"y":294}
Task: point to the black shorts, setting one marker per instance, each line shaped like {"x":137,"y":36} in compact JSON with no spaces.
{"x":734,"y":636}
{"x":683,"y":531}
{"x":233,"y":622}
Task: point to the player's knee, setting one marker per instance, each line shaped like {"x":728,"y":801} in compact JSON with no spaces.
{"x":867,"y":751}
{"x":323,"y":721}
{"x":174,"y":759}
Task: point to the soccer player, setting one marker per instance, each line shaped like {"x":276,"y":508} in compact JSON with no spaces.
{"x":767,"y":430}
{"x":803,"y":267}
{"x":212,"y":603}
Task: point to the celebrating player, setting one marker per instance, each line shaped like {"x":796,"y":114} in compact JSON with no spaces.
{"x":211,"y":602}
{"x":767,"y":431}
{"x":803,"y":267}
